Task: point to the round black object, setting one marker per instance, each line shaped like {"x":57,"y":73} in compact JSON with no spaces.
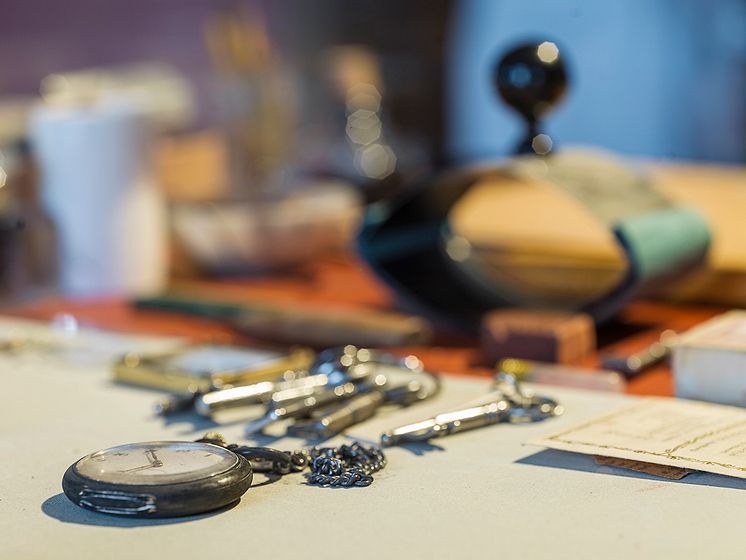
{"x":532,"y":79}
{"x":158,"y":479}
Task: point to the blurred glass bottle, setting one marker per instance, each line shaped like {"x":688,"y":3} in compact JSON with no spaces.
{"x":256,"y":101}
{"x":355,"y":139}
{"x":370,"y":79}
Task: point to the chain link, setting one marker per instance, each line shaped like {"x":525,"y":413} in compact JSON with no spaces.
{"x":345,"y":466}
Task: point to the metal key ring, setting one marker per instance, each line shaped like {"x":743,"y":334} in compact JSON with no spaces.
{"x":349,"y":356}
{"x":540,"y":408}
{"x":264,"y":459}
{"x":353,"y":364}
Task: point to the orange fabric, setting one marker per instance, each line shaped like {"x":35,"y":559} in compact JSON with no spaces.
{"x":349,"y":283}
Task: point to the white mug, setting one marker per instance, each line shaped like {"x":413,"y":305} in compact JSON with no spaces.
{"x":97,"y":185}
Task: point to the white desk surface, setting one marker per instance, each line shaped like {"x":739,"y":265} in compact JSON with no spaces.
{"x":477,"y":494}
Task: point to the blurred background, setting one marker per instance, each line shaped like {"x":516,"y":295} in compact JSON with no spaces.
{"x":663,"y":78}
{"x":148,"y":139}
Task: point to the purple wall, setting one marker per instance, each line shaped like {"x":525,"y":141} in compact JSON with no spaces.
{"x":38,"y":37}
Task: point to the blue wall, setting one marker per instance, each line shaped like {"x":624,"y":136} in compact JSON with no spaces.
{"x":661,"y":78}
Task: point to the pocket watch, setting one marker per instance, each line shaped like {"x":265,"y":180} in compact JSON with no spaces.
{"x":174,"y":478}
{"x":158,"y":479}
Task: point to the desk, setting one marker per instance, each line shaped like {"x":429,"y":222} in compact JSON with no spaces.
{"x":481,"y":493}
{"x":477,"y":494}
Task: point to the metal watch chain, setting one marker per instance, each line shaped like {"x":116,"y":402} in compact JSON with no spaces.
{"x":345,"y":466}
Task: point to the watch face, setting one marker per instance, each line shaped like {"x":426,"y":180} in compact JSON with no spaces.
{"x":156,"y":463}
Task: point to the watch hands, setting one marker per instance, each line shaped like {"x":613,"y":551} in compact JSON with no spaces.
{"x":153,"y":458}
{"x":143,"y":467}
{"x":153,"y":462}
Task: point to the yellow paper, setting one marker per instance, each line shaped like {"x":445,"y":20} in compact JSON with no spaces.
{"x":686,"y":434}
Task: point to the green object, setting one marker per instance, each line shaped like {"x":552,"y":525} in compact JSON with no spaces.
{"x":200,"y":308}
{"x":663,"y":242}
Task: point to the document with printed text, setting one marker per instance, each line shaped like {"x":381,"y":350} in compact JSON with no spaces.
{"x":681,"y":433}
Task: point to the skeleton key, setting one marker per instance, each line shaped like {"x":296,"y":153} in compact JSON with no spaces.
{"x":508,"y":404}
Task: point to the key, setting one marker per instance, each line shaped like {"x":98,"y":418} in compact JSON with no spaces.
{"x":398,"y":386}
{"x":449,"y":423}
{"x":337,"y":418}
{"x":259,"y":393}
{"x":333,"y":367}
{"x":340,"y":365}
{"x":304,"y":407}
{"x":220,"y":399}
{"x":509,"y":403}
